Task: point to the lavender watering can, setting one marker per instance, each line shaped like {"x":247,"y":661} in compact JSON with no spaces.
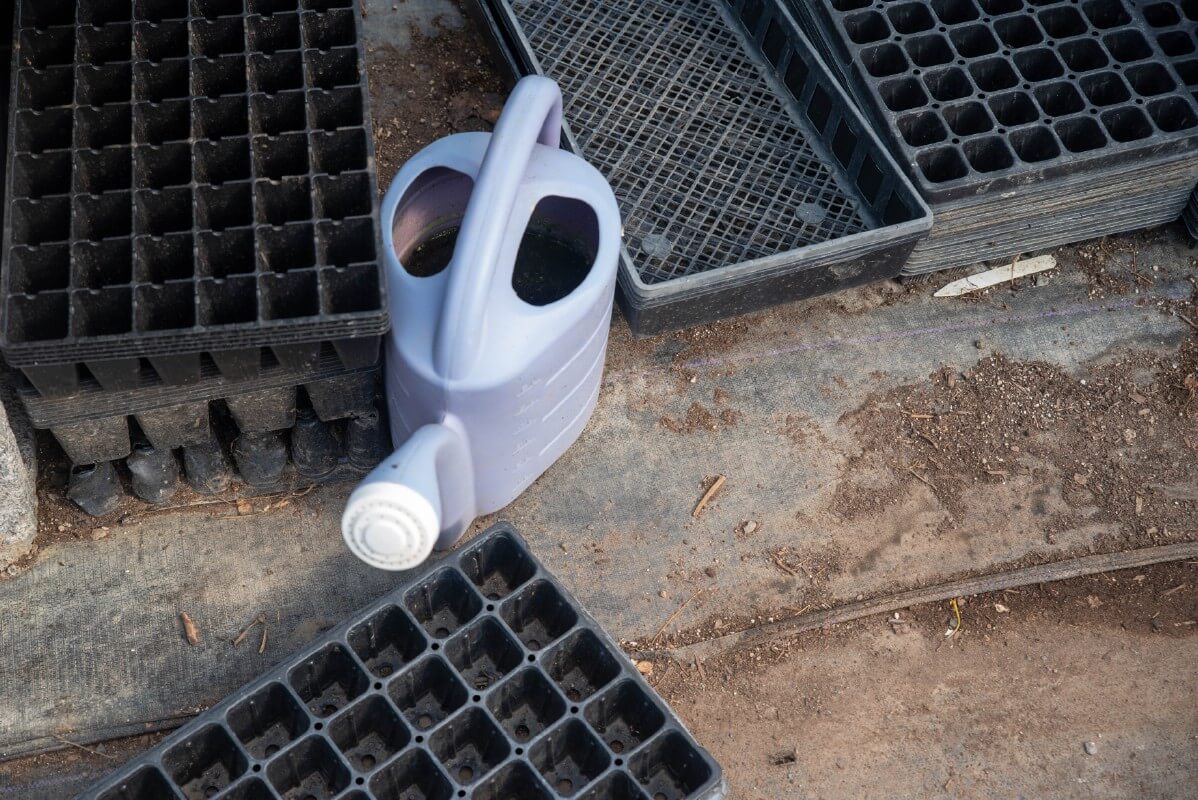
{"x":501,"y":254}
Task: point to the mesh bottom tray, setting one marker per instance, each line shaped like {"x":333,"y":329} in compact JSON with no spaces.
{"x":980,"y":96}
{"x":744,"y":174}
{"x":187,"y":175}
{"x":479,"y":676}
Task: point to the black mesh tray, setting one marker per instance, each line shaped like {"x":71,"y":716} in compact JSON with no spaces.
{"x":982,"y":96}
{"x":480,"y":676}
{"x":744,"y":174}
{"x":187,"y":175}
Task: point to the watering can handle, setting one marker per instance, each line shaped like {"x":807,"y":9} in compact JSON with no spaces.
{"x":531,"y":116}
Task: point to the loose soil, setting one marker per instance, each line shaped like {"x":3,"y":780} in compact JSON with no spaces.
{"x":438,"y":86}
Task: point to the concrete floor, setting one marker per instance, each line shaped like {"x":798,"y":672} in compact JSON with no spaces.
{"x":98,"y":652}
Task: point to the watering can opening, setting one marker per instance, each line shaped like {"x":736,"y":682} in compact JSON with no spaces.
{"x":557,"y":250}
{"x":428,"y":219}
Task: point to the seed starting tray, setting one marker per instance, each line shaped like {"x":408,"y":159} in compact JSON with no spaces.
{"x":1175,"y":26}
{"x":97,"y":426}
{"x":187,"y":175}
{"x":985,"y":95}
{"x":196,"y":369}
{"x":745,"y":176}
{"x":479,"y":676}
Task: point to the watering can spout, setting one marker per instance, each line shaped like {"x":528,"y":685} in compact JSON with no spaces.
{"x":532,"y":116}
{"x":413,"y":501}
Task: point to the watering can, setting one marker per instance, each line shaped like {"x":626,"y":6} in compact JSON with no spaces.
{"x":501,"y":255}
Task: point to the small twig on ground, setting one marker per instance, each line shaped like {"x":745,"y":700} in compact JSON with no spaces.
{"x":707,"y":497}
{"x":1174,"y":590}
{"x":189,"y":629}
{"x":1186,"y":320}
{"x":94,"y":752}
{"x":262,"y":645}
{"x":244,"y":632}
{"x":674,"y":616}
{"x":921,"y":478}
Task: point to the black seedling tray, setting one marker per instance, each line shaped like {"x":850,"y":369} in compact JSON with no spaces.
{"x":149,"y":393}
{"x":982,"y":96}
{"x":745,"y":175}
{"x":272,"y":441}
{"x":72,"y":381}
{"x":187,"y":175}
{"x":169,"y":420}
{"x":1175,"y":26}
{"x":480,"y":676}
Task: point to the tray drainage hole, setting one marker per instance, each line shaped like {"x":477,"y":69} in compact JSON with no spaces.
{"x":465,"y":774}
{"x":477,"y":697}
{"x":436,"y":646}
{"x":573,"y":709}
{"x":490,"y":606}
{"x":359,"y":781}
{"x":520,"y":750}
{"x":257,"y":768}
{"x":619,"y":762}
{"x":378,"y":684}
{"x":368,"y":761}
{"x":565,"y":786}
{"x":318,"y":725}
{"x":419,"y":739}
{"x":531,"y":657}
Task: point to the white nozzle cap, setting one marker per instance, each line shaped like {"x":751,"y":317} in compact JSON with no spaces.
{"x":390,"y":526}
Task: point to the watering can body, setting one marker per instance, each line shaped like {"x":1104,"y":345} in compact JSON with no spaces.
{"x":485,"y":389}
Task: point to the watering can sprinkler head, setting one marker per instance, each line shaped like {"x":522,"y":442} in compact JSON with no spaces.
{"x":488,"y":380}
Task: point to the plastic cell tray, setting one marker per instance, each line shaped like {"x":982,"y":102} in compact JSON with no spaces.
{"x":98,"y":426}
{"x":121,"y":375}
{"x":745,"y":175}
{"x":479,"y":676}
{"x":983,"y":95}
{"x":187,"y":175}
{"x":1174,"y":25}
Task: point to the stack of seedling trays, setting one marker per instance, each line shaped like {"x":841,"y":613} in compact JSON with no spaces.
{"x":1175,"y":26}
{"x":1026,"y":124}
{"x":745,"y":175}
{"x":479,"y":677}
{"x":190,"y":236}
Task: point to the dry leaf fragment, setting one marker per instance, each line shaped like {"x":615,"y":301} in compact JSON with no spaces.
{"x":645,"y":668}
{"x":189,"y":629}
{"x":1094,"y":601}
{"x":1001,"y":609}
{"x":244,"y":507}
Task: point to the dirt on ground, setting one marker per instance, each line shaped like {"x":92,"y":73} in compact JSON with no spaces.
{"x":438,"y":86}
{"x":1009,"y":701}
{"x":1068,"y":689}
